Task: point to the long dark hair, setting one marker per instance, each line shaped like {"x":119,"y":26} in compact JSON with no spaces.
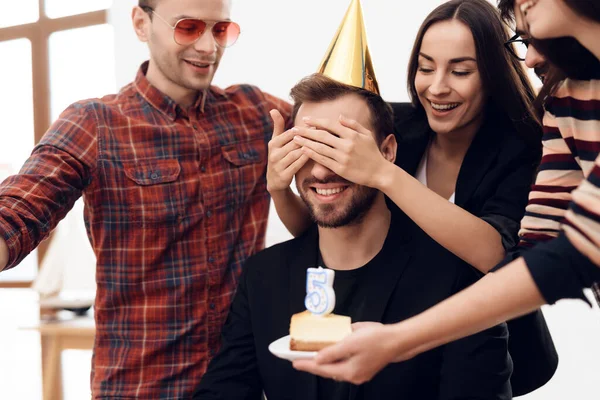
{"x":587,"y":9}
{"x":566,"y":53}
{"x":503,"y":77}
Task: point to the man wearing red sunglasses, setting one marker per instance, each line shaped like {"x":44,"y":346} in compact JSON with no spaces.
{"x":172,"y":172}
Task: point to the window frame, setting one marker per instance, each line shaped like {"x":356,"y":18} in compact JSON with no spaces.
{"x":38,"y":33}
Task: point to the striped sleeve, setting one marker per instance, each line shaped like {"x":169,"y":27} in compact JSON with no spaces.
{"x":558,"y":174}
{"x":582,"y":224}
{"x":564,"y":266}
{"x":571,"y":143}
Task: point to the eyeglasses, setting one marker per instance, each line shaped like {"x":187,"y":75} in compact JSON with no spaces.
{"x":517,"y":47}
{"x":189,"y":30}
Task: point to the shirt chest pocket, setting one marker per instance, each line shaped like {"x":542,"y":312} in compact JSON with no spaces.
{"x":243,"y":168}
{"x":152,"y":190}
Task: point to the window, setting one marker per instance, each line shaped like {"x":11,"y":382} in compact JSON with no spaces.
{"x":50,"y":44}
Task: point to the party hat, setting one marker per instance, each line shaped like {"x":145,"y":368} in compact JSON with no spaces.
{"x":348,"y":60}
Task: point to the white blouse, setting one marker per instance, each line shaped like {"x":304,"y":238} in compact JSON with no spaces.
{"x":422,"y":173}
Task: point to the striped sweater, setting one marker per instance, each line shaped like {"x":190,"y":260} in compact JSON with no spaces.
{"x":566,"y":194}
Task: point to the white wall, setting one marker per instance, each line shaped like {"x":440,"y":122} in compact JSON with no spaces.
{"x":284,"y":40}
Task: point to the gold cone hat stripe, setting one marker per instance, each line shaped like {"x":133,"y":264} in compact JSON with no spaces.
{"x":348,"y":60}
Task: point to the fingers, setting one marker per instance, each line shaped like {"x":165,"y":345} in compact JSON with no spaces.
{"x":329,"y":125}
{"x":290,"y":158}
{"x":332,"y":354}
{"x":276,"y":154}
{"x":318,"y":135}
{"x":344,"y":128}
{"x":320,"y":159}
{"x":354,"y":125}
{"x":318,"y":147}
{"x":296,"y":165}
{"x":278,"y":122}
{"x":282,"y":139}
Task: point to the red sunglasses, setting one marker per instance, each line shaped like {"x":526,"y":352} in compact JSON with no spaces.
{"x":188,"y":30}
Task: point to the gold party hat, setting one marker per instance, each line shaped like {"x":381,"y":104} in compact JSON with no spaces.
{"x":348,"y":60}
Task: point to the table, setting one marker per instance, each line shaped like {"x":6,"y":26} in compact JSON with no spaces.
{"x":60,"y":334}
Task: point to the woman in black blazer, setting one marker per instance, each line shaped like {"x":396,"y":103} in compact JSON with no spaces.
{"x":493,"y":184}
{"x":480,"y":155}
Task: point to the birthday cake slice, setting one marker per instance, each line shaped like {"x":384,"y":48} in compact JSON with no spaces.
{"x":317,"y":327}
{"x":310,"y":332}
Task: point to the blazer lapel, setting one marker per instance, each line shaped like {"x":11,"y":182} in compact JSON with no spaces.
{"x":478,"y":160}
{"x":306,"y":257}
{"x":381,"y":285}
{"x":410,"y":152}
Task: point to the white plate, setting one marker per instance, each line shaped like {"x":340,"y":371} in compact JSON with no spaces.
{"x":281,"y":348}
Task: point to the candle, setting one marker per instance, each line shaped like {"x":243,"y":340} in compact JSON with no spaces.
{"x":320,"y":297}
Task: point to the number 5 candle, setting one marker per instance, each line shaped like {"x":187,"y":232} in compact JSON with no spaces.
{"x":320,"y":297}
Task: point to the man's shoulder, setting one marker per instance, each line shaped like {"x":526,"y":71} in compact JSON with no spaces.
{"x":277,"y":256}
{"x":107,"y":101}
{"x":279,"y":251}
{"x":245,"y":93}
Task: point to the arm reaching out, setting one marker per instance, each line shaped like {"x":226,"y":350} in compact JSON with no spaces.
{"x":497,"y":297}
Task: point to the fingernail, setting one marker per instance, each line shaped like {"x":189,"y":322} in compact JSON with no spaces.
{"x":298,"y":138}
{"x":305,"y":118}
{"x":294,"y":129}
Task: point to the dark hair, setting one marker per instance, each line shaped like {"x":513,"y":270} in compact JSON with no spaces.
{"x":503,"y":77}
{"x":507,"y":10}
{"x":587,"y":9}
{"x":318,"y":88}
{"x":570,"y":56}
{"x":566,"y":53}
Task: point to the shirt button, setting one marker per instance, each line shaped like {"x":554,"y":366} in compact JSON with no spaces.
{"x":212,"y":306}
{"x":203,"y":169}
{"x":195,"y":126}
{"x":211,"y":259}
{"x":246,"y":156}
{"x":154,"y":176}
{"x":209,"y":213}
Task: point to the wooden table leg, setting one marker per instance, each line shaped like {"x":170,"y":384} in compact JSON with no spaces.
{"x":52,"y":368}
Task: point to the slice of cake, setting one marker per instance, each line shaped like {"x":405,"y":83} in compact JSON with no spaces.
{"x":309,"y":332}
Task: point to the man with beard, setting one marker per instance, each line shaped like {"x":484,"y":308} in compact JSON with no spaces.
{"x":385,"y":271}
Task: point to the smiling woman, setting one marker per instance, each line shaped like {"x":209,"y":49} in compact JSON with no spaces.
{"x":448,"y":83}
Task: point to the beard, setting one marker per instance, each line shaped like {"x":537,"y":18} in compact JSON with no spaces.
{"x":352,"y":212}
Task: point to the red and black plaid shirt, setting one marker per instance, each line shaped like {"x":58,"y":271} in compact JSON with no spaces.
{"x":175,"y":201}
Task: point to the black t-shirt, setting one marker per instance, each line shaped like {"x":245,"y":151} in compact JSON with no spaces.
{"x":350,"y":299}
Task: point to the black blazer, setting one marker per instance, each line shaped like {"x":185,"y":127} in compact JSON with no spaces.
{"x":493,"y":184}
{"x":272,"y":288}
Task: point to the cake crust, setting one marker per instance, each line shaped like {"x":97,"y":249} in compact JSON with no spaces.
{"x":299,"y":345}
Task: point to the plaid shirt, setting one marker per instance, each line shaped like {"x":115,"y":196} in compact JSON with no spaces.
{"x":175,"y":201}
